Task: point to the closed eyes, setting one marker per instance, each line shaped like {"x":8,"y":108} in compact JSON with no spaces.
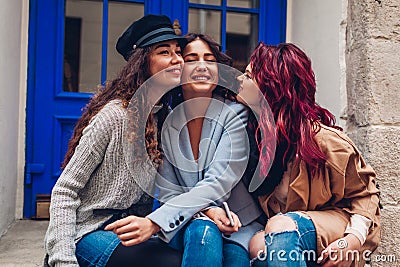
{"x":247,"y":75}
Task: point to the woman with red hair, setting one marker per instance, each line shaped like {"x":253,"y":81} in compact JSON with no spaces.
{"x":317,"y":192}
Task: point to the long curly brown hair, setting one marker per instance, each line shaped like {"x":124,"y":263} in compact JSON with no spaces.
{"x":131,"y":77}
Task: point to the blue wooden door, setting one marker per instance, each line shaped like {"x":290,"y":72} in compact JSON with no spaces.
{"x":69,"y":44}
{"x":71,"y":52}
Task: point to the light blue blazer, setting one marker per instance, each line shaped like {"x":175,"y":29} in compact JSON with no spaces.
{"x":187,"y":187}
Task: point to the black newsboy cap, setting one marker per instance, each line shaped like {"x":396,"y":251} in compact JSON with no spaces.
{"x":146,"y":31}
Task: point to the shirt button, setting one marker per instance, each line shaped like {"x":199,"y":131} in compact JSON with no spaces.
{"x":171,"y":225}
{"x":177,"y":222}
{"x":181,"y":218}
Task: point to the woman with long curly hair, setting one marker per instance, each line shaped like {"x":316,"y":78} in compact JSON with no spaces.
{"x":96,"y":186}
{"x":319,"y":196}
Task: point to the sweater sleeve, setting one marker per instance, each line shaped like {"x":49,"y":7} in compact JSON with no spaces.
{"x":60,"y":237}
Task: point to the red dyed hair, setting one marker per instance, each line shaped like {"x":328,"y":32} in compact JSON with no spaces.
{"x":284,"y":76}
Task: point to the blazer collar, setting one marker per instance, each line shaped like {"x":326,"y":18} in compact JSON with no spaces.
{"x":212,"y":114}
{"x":210,"y":122}
{"x":178,"y":126}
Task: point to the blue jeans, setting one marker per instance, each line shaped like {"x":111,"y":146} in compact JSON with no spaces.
{"x":203,"y":245}
{"x":103,"y":248}
{"x":290,"y":248}
{"x":95,"y":248}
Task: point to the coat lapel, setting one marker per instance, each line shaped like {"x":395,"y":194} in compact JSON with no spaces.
{"x":179,"y":147}
{"x":179,"y":138}
{"x":207,"y":143}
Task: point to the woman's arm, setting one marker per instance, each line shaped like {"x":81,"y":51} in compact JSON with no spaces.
{"x":360,"y":191}
{"x":60,"y":238}
{"x":134,"y":230}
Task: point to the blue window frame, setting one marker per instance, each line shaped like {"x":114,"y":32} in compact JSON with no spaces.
{"x":271,"y":19}
{"x":271,"y":14}
{"x":105,"y":34}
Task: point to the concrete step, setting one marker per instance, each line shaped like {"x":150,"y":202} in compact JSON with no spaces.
{"x":23,"y":245}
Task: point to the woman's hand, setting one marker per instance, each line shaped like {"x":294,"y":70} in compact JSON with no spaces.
{"x":133,"y":230}
{"x":341,"y":252}
{"x":218,"y":215}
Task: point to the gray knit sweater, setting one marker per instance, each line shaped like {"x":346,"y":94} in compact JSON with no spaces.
{"x":97,"y":177}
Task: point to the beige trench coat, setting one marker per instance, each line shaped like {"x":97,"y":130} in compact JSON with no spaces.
{"x":345,"y":186}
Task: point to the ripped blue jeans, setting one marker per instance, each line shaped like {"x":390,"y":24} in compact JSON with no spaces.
{"x":293,"y":248}
{"x":202,"y":245}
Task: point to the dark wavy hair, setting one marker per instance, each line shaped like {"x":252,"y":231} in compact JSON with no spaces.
{"x":286,"y":79}
{"x":131,"y":77}
{"x":226,"y":77}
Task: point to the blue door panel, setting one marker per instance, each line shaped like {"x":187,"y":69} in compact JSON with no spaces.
{"x":63,"y":127}
{"x":51,"y":114}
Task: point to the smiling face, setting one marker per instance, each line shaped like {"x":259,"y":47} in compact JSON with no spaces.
{"x":166,"y":56}
{"x":200,"y":72}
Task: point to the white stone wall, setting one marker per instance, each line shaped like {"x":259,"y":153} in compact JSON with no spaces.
{"x":11,"y":126}
{"x":355,"y":49}
{"x":373,"y":90}
{"x":23,"y":74}
{"x":317,"y":27}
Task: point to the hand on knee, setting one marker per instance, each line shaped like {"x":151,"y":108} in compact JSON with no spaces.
{"x":257,"y":245}
{"x":280,"y":223}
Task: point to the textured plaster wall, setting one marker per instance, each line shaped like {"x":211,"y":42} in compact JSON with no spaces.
{"x":317,"y":27}
{"x":373,"y":95}
{"x":10,"y":47}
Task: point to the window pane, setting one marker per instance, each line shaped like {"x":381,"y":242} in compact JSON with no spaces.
{"x":241,"y":37}
{"x":120,"y":16}
{"x":244,"y":3}
{"x":207,"y":2}
{"x":205,"y":21}
{"x":82,"y":47}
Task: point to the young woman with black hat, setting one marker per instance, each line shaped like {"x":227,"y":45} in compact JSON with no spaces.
{"x":96,"y":183}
